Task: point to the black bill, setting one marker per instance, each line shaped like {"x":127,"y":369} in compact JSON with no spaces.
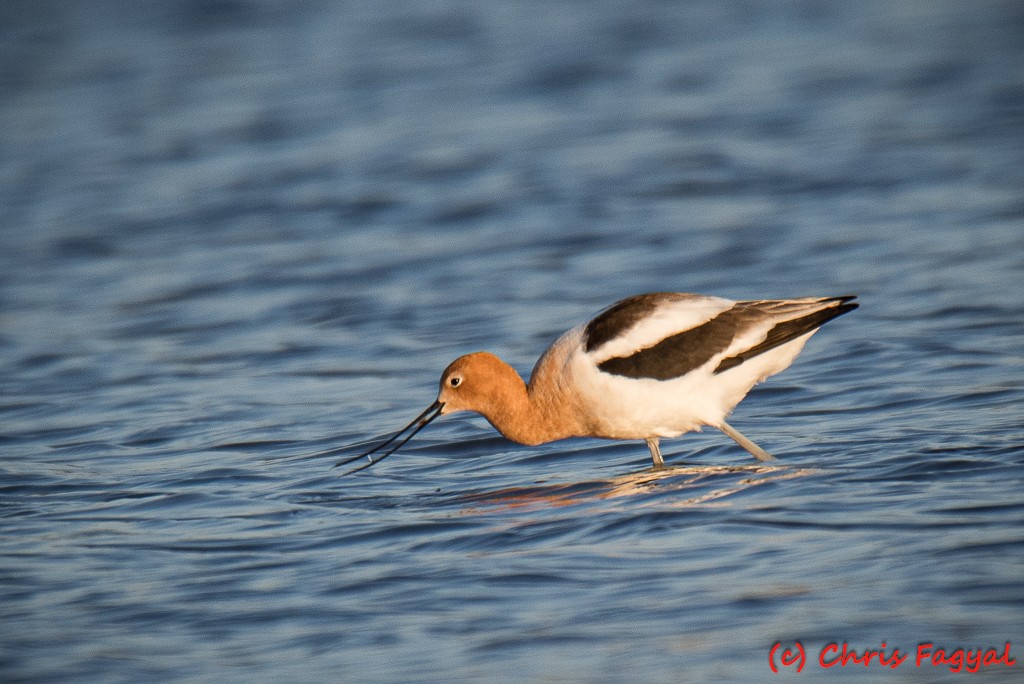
{"x":418,"y":423}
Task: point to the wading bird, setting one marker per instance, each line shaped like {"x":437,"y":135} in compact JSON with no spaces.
{"x":650,"y":366}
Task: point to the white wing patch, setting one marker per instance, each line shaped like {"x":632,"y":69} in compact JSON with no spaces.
{"x":671,"y":317}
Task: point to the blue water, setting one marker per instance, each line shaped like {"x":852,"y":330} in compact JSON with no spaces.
{"x":236,"y":234}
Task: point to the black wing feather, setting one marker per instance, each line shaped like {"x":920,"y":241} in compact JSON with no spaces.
{"x":787,"y":331}
{"x":683,"y":352}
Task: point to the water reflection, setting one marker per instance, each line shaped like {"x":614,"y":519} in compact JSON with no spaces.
{"x":703,"y":483}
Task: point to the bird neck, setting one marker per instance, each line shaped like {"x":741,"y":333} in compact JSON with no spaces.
{"x":528,"y":416}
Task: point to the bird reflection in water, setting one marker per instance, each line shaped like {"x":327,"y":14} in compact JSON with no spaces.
{"x":709,"y":484}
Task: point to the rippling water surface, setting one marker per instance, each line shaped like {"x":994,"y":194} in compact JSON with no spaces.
{"x":236,"y":234}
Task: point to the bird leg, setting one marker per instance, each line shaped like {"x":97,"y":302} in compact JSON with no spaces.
{"x":652,"y":444}
{"x":759,"y":453}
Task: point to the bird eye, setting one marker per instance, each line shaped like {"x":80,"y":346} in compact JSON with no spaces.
{"x":454,"y":381}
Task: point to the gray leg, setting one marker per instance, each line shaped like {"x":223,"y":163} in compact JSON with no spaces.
{"x":759,"y":453}
{"x":652,"y":444}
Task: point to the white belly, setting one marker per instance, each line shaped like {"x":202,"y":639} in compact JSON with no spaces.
{"x":619,"y":407}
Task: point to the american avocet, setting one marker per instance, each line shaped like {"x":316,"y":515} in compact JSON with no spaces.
{"x":650,"y":366}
